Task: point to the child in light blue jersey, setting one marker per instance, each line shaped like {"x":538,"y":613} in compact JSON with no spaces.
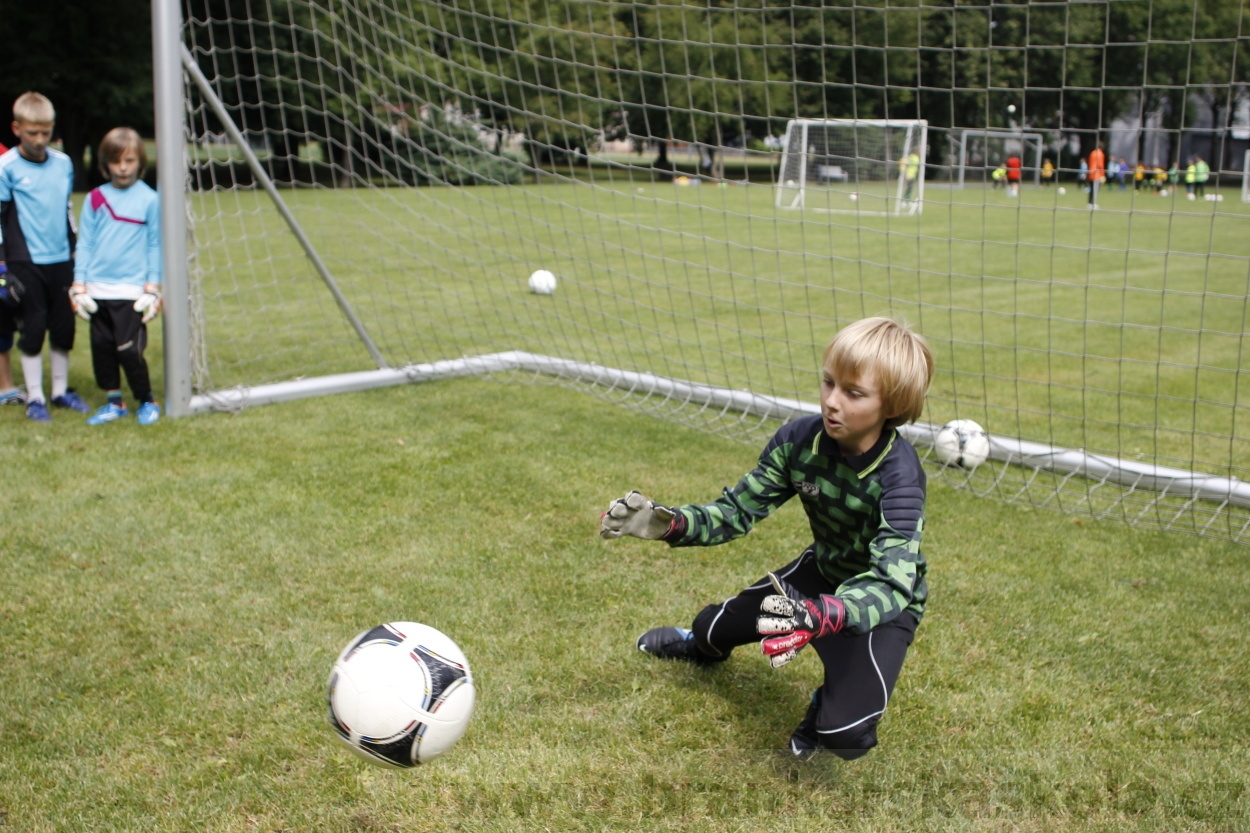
{"x":36,"y":256}
{"x":117,"y":275}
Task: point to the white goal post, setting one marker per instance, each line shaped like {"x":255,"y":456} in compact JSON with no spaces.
{"x":1245,"y":178}
{"x":984,"y":150}
{"x":859,"y":166}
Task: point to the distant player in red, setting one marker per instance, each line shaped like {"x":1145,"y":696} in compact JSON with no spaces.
{"x":1097,"y":172}
{"x":1013,"y":175}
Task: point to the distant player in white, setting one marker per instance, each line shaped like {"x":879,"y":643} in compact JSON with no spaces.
{"x":117,"y":276}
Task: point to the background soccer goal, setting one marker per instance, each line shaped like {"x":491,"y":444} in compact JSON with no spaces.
{"x":370,"y":184}
{"x":978,"y":152}
{"x":854,"y":166}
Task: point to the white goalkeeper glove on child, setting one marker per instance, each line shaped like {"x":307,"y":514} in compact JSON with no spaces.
{"x":84,"y":305}
{"x":636,"y":515}
{"x":149,"y":302}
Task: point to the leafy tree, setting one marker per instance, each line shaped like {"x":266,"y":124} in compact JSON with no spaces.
{"x":92,"y":58}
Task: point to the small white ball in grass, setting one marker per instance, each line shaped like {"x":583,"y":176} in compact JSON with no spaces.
{"x":1062,"y":190}
{"x":853,"y":196}
{"x":542,"y":282}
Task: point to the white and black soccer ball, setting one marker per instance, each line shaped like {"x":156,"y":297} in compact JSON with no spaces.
{"x":962,"y":443}
{"x":400,"y":694}
{"x":542,"y":282}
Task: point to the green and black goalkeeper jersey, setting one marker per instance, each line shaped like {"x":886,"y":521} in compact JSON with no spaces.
{"x":866,"y":513}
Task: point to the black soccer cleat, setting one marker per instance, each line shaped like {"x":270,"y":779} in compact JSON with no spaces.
{"x":672,"y":643}
{"x":805,"y":743}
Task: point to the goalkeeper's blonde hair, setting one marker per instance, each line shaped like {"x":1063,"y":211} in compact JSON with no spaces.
{"x":34,"y":108}
{"x":899,"y":358}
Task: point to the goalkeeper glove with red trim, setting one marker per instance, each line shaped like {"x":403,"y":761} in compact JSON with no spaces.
{"x":797,"y":619}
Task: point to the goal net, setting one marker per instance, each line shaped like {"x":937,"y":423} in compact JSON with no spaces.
{"x":370,"y":185}
{"x":852,"y":165}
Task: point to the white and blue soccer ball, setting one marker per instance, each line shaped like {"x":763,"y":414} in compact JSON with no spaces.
{"x":962,"y":443}
{"x":401,"y":694}
{"x":542,"y":282}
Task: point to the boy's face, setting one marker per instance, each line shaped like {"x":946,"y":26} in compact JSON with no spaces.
{"x":33,"y":139}
{"x":852,"y":410}
{"x":124,"y":170}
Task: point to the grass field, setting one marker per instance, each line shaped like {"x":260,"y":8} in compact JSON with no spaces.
{"x":174,"y":597}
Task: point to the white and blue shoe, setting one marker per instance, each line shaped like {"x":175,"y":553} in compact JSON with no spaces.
{"x":16,"y":396}
{"x":110,"y":412}
{"x":148,"y":413}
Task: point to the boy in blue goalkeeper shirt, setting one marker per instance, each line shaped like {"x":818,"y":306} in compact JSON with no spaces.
{"x":36,"y":251}
{"x":857,"y":593}
{"x":117,"y":275}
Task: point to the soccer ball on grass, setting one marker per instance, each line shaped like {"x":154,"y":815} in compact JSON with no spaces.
{"x":400,"y":694}
{"x":962,"y":443}
{"x":542,"y":282}
{"x":1062,"y":190}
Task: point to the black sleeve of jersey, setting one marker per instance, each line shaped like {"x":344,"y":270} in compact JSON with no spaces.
{"x":903,"y":494}
{"x":12,"y":241}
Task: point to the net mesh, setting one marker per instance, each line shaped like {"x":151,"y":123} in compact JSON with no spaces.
{"x":436,"y":154}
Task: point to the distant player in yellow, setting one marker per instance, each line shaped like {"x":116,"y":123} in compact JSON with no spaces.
{"x":1048,"y":171}
{"x":999,"y":176}
{"x":911,"y":174}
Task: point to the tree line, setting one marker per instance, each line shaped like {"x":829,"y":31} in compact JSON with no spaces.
{"x":562,"y":72}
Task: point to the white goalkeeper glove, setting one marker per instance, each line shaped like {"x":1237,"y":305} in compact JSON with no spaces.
{"x":83,"y":305}
{"x":149,"y":302}
{"x":636,"y":515}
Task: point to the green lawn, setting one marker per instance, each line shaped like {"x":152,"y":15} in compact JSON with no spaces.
{"x":176,"y":595}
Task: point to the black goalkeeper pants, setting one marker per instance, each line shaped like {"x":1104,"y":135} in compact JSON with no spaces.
{"x":45,"y":310}
{"x":118,"y":339}
{"x":860,"y":669}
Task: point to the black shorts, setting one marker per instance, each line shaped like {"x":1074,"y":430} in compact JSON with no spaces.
{"x":45,"y":309}
{"x":8,"y":326}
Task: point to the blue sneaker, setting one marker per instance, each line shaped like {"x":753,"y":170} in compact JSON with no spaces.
{"x":148,"y":413}
{"x":16,"y":396}
{"x":38,"y":411}
{"x":71,"y":400}
{"x":109,"y":412}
